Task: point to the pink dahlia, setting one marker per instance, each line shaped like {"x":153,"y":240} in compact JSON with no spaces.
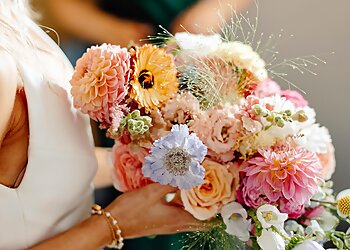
{"x":100,"y":80}
{"x":286,"y":176}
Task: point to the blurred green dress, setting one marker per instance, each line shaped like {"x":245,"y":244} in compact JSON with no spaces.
{"x":156,"y":12}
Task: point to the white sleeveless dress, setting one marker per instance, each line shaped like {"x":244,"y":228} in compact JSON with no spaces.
{"x":56,"y":191}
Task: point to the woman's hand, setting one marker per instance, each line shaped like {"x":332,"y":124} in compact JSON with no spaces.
{"x":141,"y":212}
{"x":207,"y":15}
{"x":93,"y":24}
{"x":145,"y":212}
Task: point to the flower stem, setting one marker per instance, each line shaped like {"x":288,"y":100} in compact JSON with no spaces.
{"x":325,"y":202}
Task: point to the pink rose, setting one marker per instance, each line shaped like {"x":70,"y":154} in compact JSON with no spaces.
{"x":205,"y":201}
{"x":127,"y":161}
{"x":218,"y":129}
{"x":267,"y":88}
{"x":327,"y":162}
{"x":293,"y":210}
{"x":182,"y":109}
{"x":295,"y":97}
{"x":250,"y":197}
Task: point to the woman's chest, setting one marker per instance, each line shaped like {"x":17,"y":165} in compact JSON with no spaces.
{"x":14,"y":147}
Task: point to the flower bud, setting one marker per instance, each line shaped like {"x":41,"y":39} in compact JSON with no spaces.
{"x":279,"y":121}
{"x":300,"y":116}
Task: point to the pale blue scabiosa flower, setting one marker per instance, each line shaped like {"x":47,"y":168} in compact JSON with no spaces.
{"x":176,"y":158}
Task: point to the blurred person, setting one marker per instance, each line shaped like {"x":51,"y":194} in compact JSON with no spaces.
{"x":47,"y":158}
{"x":82,"y":23}
{"x":119,"y":22}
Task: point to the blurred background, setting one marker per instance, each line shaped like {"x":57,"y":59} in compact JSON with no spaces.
{"x":318,"y":28}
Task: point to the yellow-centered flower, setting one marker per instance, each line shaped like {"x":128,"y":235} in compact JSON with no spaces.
{"x":154,"y":80}
{"x":343,"y":203}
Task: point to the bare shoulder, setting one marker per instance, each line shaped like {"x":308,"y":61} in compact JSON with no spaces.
{"x":8,"y":87}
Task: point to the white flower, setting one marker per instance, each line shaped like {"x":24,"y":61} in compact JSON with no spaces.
{"x":269,"y":215}
{"x":343,"y":203}
{"x":235,"y":219}
{"x":243,"y":56}
{"x":311,"y":117}
{"x":270,"y":240}
{"x":315,"y":139}
{"x":292,"y":227}
{"x":279,"y":103}
{"x":198,"y":44}
{"x":324,"y":193}
{"x":327,"y":221}
{"x":308,"y":245}
{"x":315,"y":229}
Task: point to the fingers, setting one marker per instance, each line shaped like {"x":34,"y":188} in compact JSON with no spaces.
{"x":174,"y":199}
{"x":160,"y":190}
{"x":182,"y":220}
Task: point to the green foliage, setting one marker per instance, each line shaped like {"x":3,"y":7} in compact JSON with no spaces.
{"x":294,"y":241}
{"x":214,"y":239}
{"x":341,"y":240}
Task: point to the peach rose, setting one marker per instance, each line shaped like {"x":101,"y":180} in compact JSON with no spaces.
{"x":205,"y":201}
{"x":127,"y":164}
{"x":218,"y":129}
{"x":327,"y":162}
{"x":182,"y":109}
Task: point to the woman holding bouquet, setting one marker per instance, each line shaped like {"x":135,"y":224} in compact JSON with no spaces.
{"x":47,"y":158}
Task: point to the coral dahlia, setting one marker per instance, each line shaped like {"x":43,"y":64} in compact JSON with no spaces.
{"x":100,"y":80}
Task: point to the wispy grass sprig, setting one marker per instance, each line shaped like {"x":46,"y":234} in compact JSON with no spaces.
{"x":214,"y":239}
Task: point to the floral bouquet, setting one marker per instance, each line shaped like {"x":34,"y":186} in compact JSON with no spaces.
{"x":200,"y":113}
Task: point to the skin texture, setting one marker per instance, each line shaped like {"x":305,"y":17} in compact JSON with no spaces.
{"x":199,"y":18}
{"x":13,"y":123}
{"x":204,"y":16}
{"x":152,"y":216}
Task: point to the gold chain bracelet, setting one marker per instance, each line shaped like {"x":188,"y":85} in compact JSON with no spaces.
{"x":117,"y":239}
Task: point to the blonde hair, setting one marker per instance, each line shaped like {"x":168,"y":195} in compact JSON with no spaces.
{"x":15,"y":15}
{"x":15,"y":18}
{"x":14,"y":7}
{"x":16,"y":37}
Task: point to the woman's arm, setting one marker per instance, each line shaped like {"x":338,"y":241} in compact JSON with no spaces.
{"x":8,"y":87}
{"x":85,"y":20}
{"x":207,"y":15}
{"x":93,"y":233}
{"x":104,"y":160}
{"x":141,"y":212}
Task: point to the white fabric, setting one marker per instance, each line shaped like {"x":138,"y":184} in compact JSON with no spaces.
{"x":55,"y":192}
